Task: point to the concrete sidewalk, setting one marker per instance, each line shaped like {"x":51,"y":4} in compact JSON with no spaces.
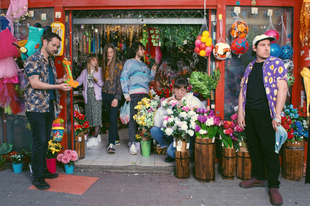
{"x":147,"y":189}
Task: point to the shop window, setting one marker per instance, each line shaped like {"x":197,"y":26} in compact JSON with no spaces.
{"x":258,"y":23}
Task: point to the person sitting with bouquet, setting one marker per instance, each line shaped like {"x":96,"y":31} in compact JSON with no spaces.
{"x":179,"y":91}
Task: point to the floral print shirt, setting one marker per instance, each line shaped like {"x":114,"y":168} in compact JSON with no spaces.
{"x":273,"y":71}
{"x":115,"y":87}
{"x":37,"y":100}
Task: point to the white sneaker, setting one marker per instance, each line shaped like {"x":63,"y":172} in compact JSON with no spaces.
{"x":133,"y":149}
{"x":95,"y":141}
{"x":99,"y":138}
{"x":111,"y":148}
{"x":90,"y":143}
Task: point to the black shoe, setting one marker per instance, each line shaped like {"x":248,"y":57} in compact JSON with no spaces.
{"x":48,"y":175}
{"x":40,"y":183}
{"x":169,"y":159}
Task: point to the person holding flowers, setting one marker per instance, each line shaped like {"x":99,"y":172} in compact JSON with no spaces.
{"x":165,"y":139}
{"x":262,"y":97}
{"x":135,"y":79}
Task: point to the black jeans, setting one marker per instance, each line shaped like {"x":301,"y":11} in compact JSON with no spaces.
{"x":260,"y":137}
{"x":41,"y":127}
{"x":112,"y":114}
{"x":133,"y":126}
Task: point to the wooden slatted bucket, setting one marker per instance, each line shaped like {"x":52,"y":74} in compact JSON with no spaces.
{"x":204,"y":159}
{"x":244,"y":165}
{"x":182,"y":164}
{"x":79,"y":145}
{"x":228,"y":163}
{"x":293,"y":160}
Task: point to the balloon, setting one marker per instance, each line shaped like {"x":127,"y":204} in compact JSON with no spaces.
{"x":273,"y":33}
{"x":205,"y":33}
{"x":197,"y":42}
{"x":222,"y":51}
{"x":275,"y":50}
{"x":197,"y":50}
{"x":202,"y":53}
{"x":208,"y":50}
{"x":286,"y":52}
{"x":202,"y":46}
{"x":239,"y":46}
{"x":208,"y":54}
{"x":212,"y":46}
{"x":290,"y":79}
{"x":199,"y":37}
{"x":203,"y":39}
{"x":289,"y":65}
{"x":209,"y":41}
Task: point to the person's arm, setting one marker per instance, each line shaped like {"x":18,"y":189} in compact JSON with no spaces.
{"x":37,"y":84}
{"x":125,"y":81}
{"x":119,"y":91}
{"x":281,"y":98}
{"x":241,"y":121}
{"x":152,"y":72}
{"x":98,"y":78}
{"x":81,"y":78}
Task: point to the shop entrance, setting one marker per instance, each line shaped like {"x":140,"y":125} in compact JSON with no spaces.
{"x":169,"y":37}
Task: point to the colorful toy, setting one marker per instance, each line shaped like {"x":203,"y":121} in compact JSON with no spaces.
{"x":59,"y":28}
{"x":273,"y":33}
{"x":239,"y":29}
{"x":289,"y":65}
{"x":275,"y":50}
{"x":290,"y":79}
{"x":58,"y":129}
{"x":239,"y":46}
{"x":70,"y":80}
{"x":222,"y":51}
{"x":34,"y":41}
{"x":286,"y":52}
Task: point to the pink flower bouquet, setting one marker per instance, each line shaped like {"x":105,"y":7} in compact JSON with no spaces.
{"x":68,"y":157}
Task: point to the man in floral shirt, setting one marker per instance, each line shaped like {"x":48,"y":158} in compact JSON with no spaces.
{"x":262,"y":97}
{"x":42,"y":104}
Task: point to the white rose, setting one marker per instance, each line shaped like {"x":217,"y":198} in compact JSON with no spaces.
{"x":210,"y":122}
{"x":165,"y":123}
{"x":202,"y":132}
{"x":190,"y":132}
{"x":169,"y":131}
{"x":171,"y":119}
{"x":193,"y":124}
{"x":184,"y":127}
{"x":183,"y":114}
{"x":169,"y":111}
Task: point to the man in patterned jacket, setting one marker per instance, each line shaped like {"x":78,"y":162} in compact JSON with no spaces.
{"x":262,"y":97}
{"x":42,"y":104}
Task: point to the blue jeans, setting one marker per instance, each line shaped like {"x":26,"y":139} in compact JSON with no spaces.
{"x":167,"y":141}
{"x":112,"y":113}
{"x":41,"y":127}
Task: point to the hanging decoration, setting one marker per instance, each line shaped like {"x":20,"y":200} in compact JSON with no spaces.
{"x":271,"y":30}
{"x":304,"y":34}
{"x":239,"y":46}
{"x":221,"y":50}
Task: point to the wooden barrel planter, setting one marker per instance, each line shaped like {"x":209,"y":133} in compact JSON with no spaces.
{"x":204,"y":159}
{"x":182,"y":162}
{"x":244,"y":165}
{"x":293,"y":160}
{"x":79,"y":145}
{"x":228,"y":163}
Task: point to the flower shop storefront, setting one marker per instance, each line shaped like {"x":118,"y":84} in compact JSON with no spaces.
{"x":169,"y":32}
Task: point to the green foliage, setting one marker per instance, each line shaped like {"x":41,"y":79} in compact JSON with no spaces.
{"x":225,"y":139}
{"x":5,"y":148}
{"x":203,"y":83}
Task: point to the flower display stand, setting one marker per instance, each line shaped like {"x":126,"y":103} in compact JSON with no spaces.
{"x":69,"y":169}
{"x":228,"y":163}
{"x":79,"y":145}
{"x":17,"y":168}
{"x":293,"y":160}
{"x":146,"y":148}
{"x":204,"y":159}
{"x":51,"y":165}
{"x":244,"y":165}
{"x":182,"y":162}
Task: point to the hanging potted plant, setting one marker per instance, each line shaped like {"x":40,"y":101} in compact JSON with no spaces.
{"x":206,"y":129}
{"x":5,"y":148}
{"x":53,"y":148}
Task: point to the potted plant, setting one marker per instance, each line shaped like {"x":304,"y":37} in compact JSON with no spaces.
{"x":27,"y":156}
{"x":53,"y":148}
{"x":5,"y":148}
{"x":81,"y":128}
{"x":68,"y":158}
{"x":17,"y":162}
{"x":205,"y":130}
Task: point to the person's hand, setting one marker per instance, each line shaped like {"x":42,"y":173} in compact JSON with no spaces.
{"x":170,"y":99}
{"x":114,"y":103}
{"x":128,"y":99}
{"x":64,"y":78}
{"x":154,"y":67}
{"x":95,"y":79}
{"x":275,"y":124}
{"x":241,"y":121}
{"x":64,"y":87}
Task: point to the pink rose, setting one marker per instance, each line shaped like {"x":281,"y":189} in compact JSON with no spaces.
{"x":67,"y":152}
{"x":74,"y":157}
{"x":59,"y":157}
{"x":65,"y":159}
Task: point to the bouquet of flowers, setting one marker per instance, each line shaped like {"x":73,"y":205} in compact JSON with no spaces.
{"x":295,"y":125}
{"x":80,"y":124}
{"x":180,"y":121}
{"x":68,"y":157}
{"x":206,"y":124}
{"x":53,"y":148}
{"x":227,"y":133}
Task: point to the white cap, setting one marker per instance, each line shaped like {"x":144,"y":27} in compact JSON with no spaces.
{"x":262,"y":37}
